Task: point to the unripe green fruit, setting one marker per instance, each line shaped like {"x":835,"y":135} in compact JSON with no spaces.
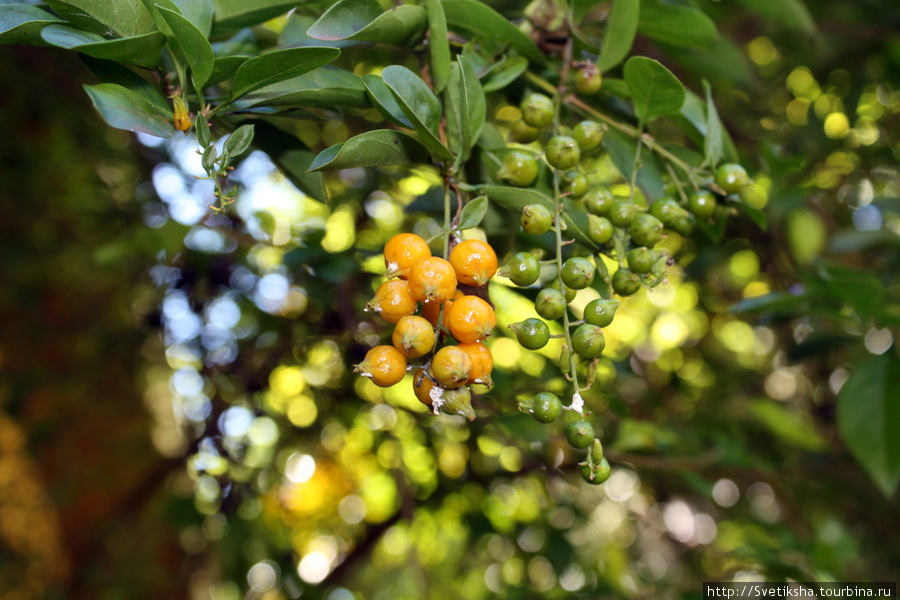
{"x":568,"y":292}
{"x":640,"y":260}
{"x":666,"y":210}
{"x":588,"y":135}
{"x":600,"y":312}
{"x":625,"y":282}
{"x":622,"y":213}
{"x":458,"y":401}
{"x":732,"y":178}
{"x":574,"y":183}
{"x":578,"y":273}
{"x":522,"y":268}
{"x":523,"y":133}
{"x":546,"y":407}
{"x":519,"y":168}
{"x":600,"y":229}
{"x":537,"y":110}
{"x":588,"y":80}
{"x":684,"y":224}
{"x":646,"y":230}
{"x":536,"y":219}
{"x":580,"y":434}
{"x":564,"y":362}
{"x":599,"y":474}
{"x":531,"y":333}
{"x":562,"y":152}
{"x":550,"y":304}
{"x":703,"y":204}
{"x":588,"y":341}
{"x":599,"y":200}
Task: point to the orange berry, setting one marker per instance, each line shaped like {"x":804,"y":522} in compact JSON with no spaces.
{"x":432,"y":280}
{"x":474,"y":261}
{"x":384,"y":365}
{"x":470,"y":319}
{"x":451,"y":366}
{"x":413,"y":336}
{"x":482,"y":362}
{"x":425,"y":389}
{"x":393,"y":301}
{"x":432,"y":310}
{"x":403,"y":251}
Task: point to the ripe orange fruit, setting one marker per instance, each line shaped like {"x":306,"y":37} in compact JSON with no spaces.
{"x":451,"y":366}
{"x":482,"y":362}
{"x":432,"y":280}
{"x":432,"y":310}
{"x":384,"y":365}
{"x":474,"y":261}
{"x":425,"y":389}
{"x":403,"y":251}
{"x":470,"y":319}
{"x":393,"y":301}
{"x":413,"y":336}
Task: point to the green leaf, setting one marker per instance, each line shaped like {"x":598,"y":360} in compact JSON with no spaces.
{"x":677,"y":25}
{"x":208,"y":158}
{"x":21,"y":24}
{"x":466,"y":109}
{"x":655,"y":91}
{"x":238,"y":142}
{"x":194,"y":46}
{"x":364,"y":21}
{"x":198,"y":12}
{"x":776,"y":303}
{"x":621,"y":28}
{"x":792,"y":13}
{"x":383,"y":99}
{"x":108,"y":71}
{"x":473,"y":212}
{"x":868,"y":419}
{"x":419,"y":104}
{"x":234,"y":14}
{"x":713,"y":144}
{"x":201,"y":127}
{"x":621,"y":149}
{"x":726,"y":60}
{"x":279,"y":65}
{"x":326,"y":88}
{"x":505,"y":73}
{"x":862,"y":290}
{"x":483,"y":22}
{"x":787,"y":426}
{"x":438,"y":45}
{"x":126,"y":18}
{"x":378,"y":148}
{"x":143,"y":50}
{"x":225,"y":67}
{"x":756,"y":215}
{"x":124,"y":109}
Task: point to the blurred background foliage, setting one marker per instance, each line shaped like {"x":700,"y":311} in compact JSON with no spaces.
{"x":179,"y":419}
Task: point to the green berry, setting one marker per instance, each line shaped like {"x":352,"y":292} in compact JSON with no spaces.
{"x":519,"y":168}
{"x":589,"y":135}
{"x":588,"y":80}
{"x":600,"y":229}
{"x":567,"y":291}
{"x":599,"y":474}
{"x":574,"y":183}
{"x":684,"y":224}
{"x":588,"y":341}
{"x":623,"y":212}
{"x":580,"y":434}
{"x":703,"y":204}
{"x":732,"y":178}
{"x":646,"y":230}
{"x":537,"y":110}
{"x":578,"y":273}
{"x":640,"y":260}
{"x":600,"y":312}
{"x":562,"y":152}
{"x":523,"y":133}
{"x":598,"y":201}
{"x":536,"y":219}
{"x":625,"y":282}
{"x":666,"y":210}
{"x":546,"y":407}
{"x":522,"y":268}
{"x":458,"y":401}
{"x":531,"y":333}
{"x":550,"y":304}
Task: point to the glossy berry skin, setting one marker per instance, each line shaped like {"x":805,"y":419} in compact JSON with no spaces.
{"x":599,"y":200}
{"x":666,"y":210}
{"x":536,"y":219}
{"x":588,"y":341}
{"x":482,"y":362}
{"x":646,"y":230}
{"x":537,"y":110}
{"x":640,"y":260}
{"x":574,"y":184}
{"x":393,"y":300}
{"x":451,"y":366}
{"x":562,"y":152}
{"x":520,"y":168}
{"x":546,"y":407}
{"x":522,"y":268}
{"x":431,"y":311}
{"x":432,"y":280}
{"x":580,"y":434}
{"x":684,"y":224}
{"x":458,"y":402}
{"x":384,"y":365}
{"x":425,"y":389}
{"x":703,"y":204}
{"x":599,"y":474}
{"x":474,"y":261}
{"x":523,"y":133}
{"x":600,"y":312}
{"x":625,"y":282}
{"x":732,"y":178}
{"x":413,"y":336}
{"x":550,"y":304}
{"x":600,"y":229}
{"x":470,"y":319}
{"x":532,"y":334}
{"x":622,"y":213}
{"x":577,"y":273}
{"x":403,"y":251}
{"x":588,"y":80}
{"x":589,"y":135}
{"x":567,"y":291}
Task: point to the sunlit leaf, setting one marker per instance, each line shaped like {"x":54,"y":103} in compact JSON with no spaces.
{"x":473,"y":212}
{"x":419,"y":104}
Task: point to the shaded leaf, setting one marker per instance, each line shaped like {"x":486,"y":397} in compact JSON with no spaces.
{"x":776,"y":303}
{"x":756,"y":215}
{"x":194,"y":46}
{"x":473,"y":212}
{"x":677,"y":25}
{"x":198,"y":12}
{"x":383,"y":99}
{"x":201,"y":127}
{"x":508,"y":71}
{"x":621,"y":28}
{"x":482,"y":21}
{"x":621,"y":149}
{"x":792,"y":13}
{"x":108,"y":71}
{"x":267,"y":69}
{"x":326,"y":88}
{"x":438,"y":45}
{"x":225,"y":67}
{"x":466,"y":108}
{"x":126,"y":18}
{"x":655,"y":91}
{"x":787,"y":426}
{"x":22,"y":24}
{"x":238,"y":142}
{"x":234,"y":14}
{"x":713,"y":145}
{"x":726,"y":60}
{"x":862,"y":290}
{"x":144,"y":50}
{"x":124,"y":109}
{"x":377,"y":148}
{"x":419,"y":104}
{"x":364,"y":21}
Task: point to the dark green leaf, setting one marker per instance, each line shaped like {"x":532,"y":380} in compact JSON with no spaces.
{"x":792,"y":13}
{"x":862,"y":290}
{"x":621,"y":149}
{"x":108,"y":71}
{"x":482,"y":21}
{"x":126,"y":18}
{"x":383,"y":99}
{"x":124,"y":109}
{"x":326,"y":88}
{"x":776,"y":303}
{"x":621,"y":28}
{"x":364,"y":21}
{"x":201,"y":127}
{"x":238,"y":142}
{"x":473,"y":212}
{"x":786,"y":425}
{"x":868,"y":418}
{"x":419,"y":104}
{"x":466,"y":108}
{"x":851,"y":240}
{"x":22,"y":24}
{"x":208,"y":159}
{"x":225,"y":67}
{"x":198,"y":12}
{"x":715,"y":232}
{"x":655,"y":91}
{"x":144,"y":50}
{"x":279,"y":65}
{"x":756,"y":215}
{"x":377,"y":148}
{"x":726,"y":60}
{"x":194,"y":46}
{"x":677,"y":25}
{"x":234,"y":14}
{"x":506,"y":72}
{"x":713,"y":144}
{"x":438,"y":44}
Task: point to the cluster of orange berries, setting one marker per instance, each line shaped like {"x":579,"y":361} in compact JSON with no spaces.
{"x":415,"y":276}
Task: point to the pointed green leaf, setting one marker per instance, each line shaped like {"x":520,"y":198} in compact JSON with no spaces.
{"x":201,"y":127}
{"x":364,"y":21}
{"x":144,"y":50}
{"x":225,"y":67}
{"x":466,"y":108}
{"x":868,"y":418}
{"x":234,"y":14}
{"x":124,"y":109}
{"x":438,"y":44}
{"x":480,"y":20}
{"x":419,"y":104}
{"x":194,"y":46}
{"x":792,"y":13}
{"x":108,"y":71}
{"x":273,"y":67}
{"x":618,"y":37}
{"x":238,"y":142}
{"x":21,"y":24}
{"x":326,"y":88}
{"x":786,"y":425}
{"x":654,"y":90}
{"x":198,"y":12}
{"x":677,"y":25}
{"x":383,"y":99}
{"x":378,"y":148}
{"x":126,"y":18}
{"x":473,"y":212}
{"x":713,"y":144}
{"x":506,"y":72}
{"x":621,"y":149}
